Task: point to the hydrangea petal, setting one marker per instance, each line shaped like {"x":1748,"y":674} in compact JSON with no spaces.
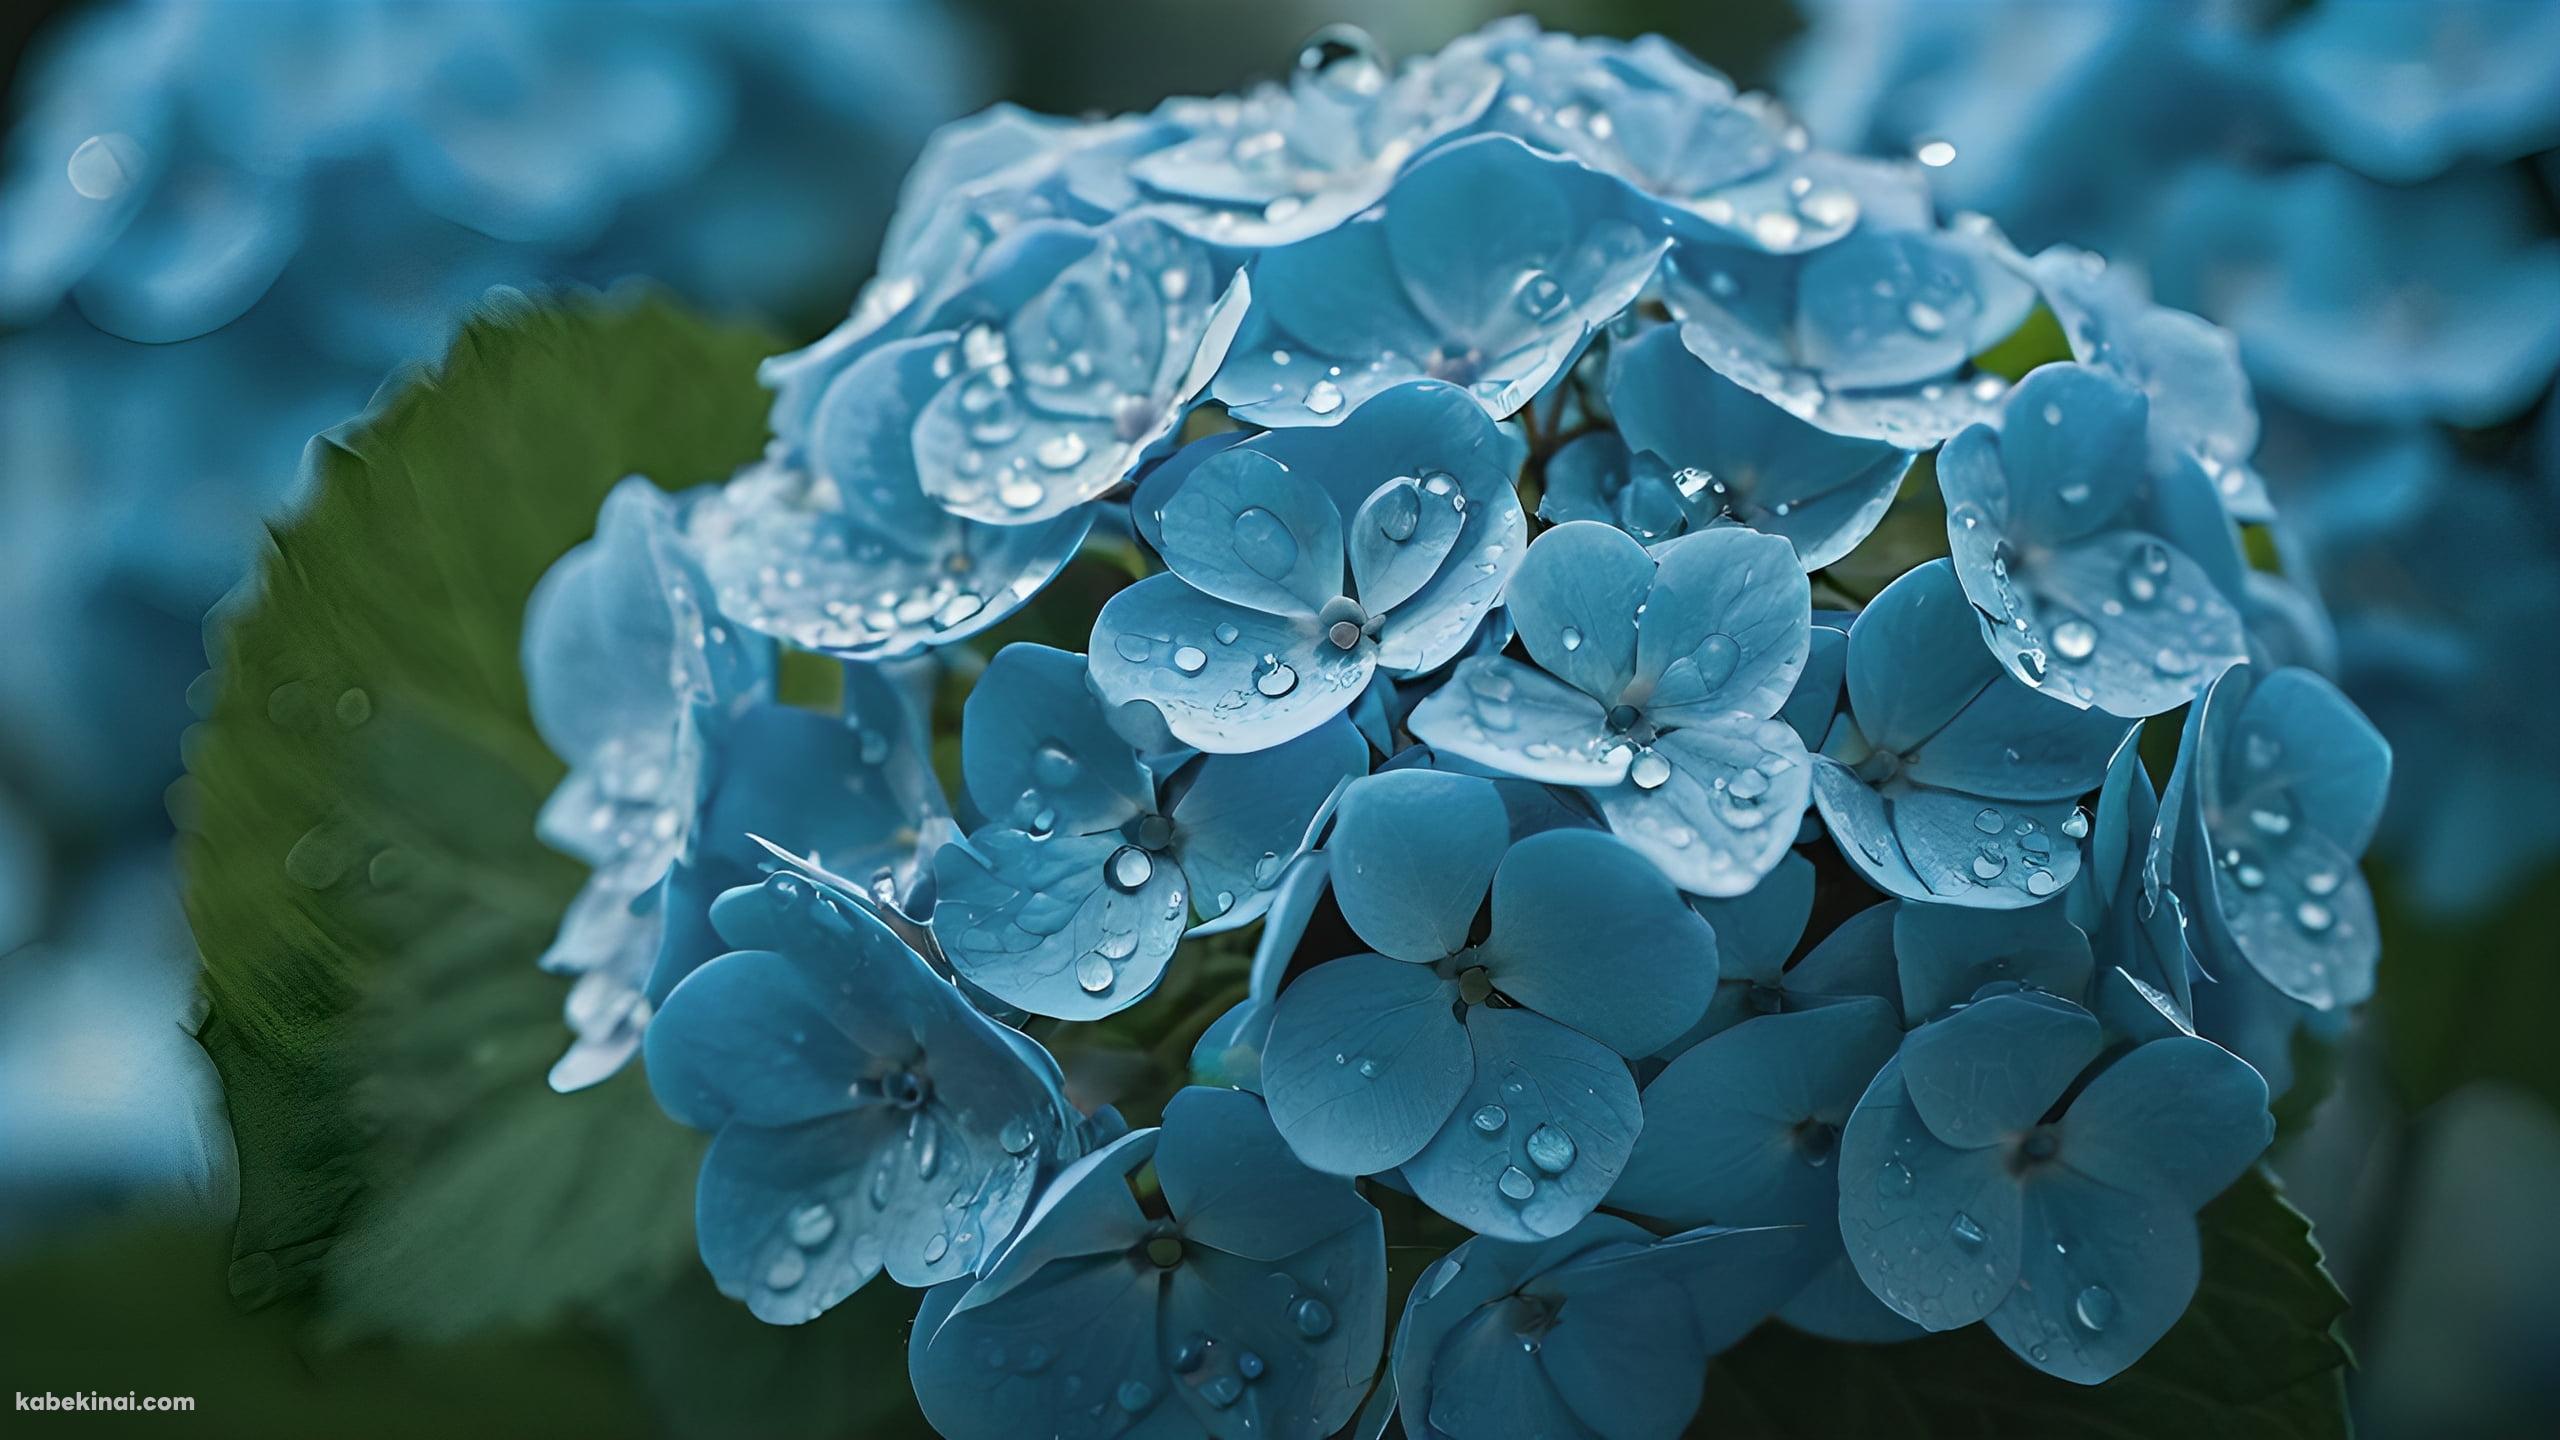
{"x":1048,"y":924}
{"x":1588,"y":934}
{"x":1244,"y":818}
{"x":2106,"y":1272}
{"x":1246,"y":529}
{"x":1365,"y":1061}
{"x":1037,"y":751}
{"x":1726,"y":626}
{"x":1993,"y":1068}
{"x":1743,"y":1128}
{"x":1226,"y":1171}
{"x":1565,"y":1117}
{"x":1225,"y":678}
{"x":1522,"y":721}
{"x":1575,"y":600}
{"x":2181,"y":1116}
{"x":1413,"y":852}
{"x":1727,"y":811}
{"x":1937,"y":1233}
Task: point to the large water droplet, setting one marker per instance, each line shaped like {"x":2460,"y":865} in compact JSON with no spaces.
{"x":2074,"y":639}
{"x":103,"y":167}
{"x":1491,"y":1118}
{"x":1649,"y":770}
{"x":1017,"y":1136}
{"x":1399,"y":511}
{"x":1093,"y":973}
{"x":1542,"y":296}
{"x":1989,"y":821}
{"x":786,"y":1270}
{"x":1313,"y":1317}
{"x":1550,"y":1149}
{"x":2095,"y":1307}
{"x":1131,"y":868}
{"x":1324,"y":397}
{"x":1135,"y":1395}
{"x":1571,"y":637}
{"x":1190,"y":659}
{"x":1515,"y":1183}
{"x":1263,"y":543}
{"x":1274,"y":678}
{"x":1965,"y":1232}
{"x":812,"y":1224}
{"x":1716,"y":657}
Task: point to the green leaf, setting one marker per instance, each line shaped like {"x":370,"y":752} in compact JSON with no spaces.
{"x":2256,"y":1356}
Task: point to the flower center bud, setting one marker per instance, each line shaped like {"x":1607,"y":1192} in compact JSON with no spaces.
{"x":1475,"y":986}
{"x":1164,"y":1252}
{"x":1344,"y":622}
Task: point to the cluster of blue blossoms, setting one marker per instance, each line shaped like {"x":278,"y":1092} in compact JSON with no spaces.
{"x":2360,"y":190}
{"x":1530,"y":437}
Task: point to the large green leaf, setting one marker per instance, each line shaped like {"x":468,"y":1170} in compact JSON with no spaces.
{"x":2465,"y":998}
{"x":361,"y":868}
{"x":363,"y":877}
{"x":2256,"y":1356}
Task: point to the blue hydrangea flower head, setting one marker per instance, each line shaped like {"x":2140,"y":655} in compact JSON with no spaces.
{"x":1304,"y":561}
{"x":834,"y":545}
{"x":627,"y":664}
{"x":2280,"y":783}
{"x":1948,"y":779}
{"x":1979,"y":1180}
{"x":864,"y":1115}
{"x":2102,"y":581}
{"x":2405,"y":92}
{"x":1657,"y":676}
{"x":1437,"y":287}
{"x":2365,"y":303}
{"x":1601,"y":1331}
{"x":1251,"y":1304}
{"x":1070,"y":900}
{"x":1704,"y":449}
{"x":1493,"y":1072}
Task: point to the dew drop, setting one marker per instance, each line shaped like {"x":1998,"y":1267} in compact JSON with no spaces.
{"x":1571,"y":638}
{"x":786,"y":1270}
{"x":1274,"y":679}
{"x":2095,"y":1308}
{"x":1313,"y":1318}
{"x":1650,"y":771}
{"x":1989,"y":821}
{"x":1324,"y":397}
{"x":1515,"y":1183}
{"x":1264,"y":544}
{"x":1490,"y":1119}
{"x":1550,"y":1149}
{"x":1965,"y":1232}
{"x":1093,"y":973}
{"x":103,"y":167}
{"x":2074,"y":639}
{"x":1131,"y":868}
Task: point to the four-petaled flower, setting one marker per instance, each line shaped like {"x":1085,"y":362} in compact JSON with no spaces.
{"x":1656,"y":679}
{"x":866,"y":1115}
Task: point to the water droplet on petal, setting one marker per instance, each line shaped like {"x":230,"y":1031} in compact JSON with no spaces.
{"x":1093,"y":973}
{"x":1491,"y":1118}
{"x":1550,"y":1149}
{"x":1264,"y":544}
{"x":2074,"y":639}
{"x":786,"y":1270}
{"x":1324,"y":397}
{"x":812,"y":1224}
{"x":2094,"y":1308}
{"x":1515,"y":1183}
{"x":1649,"y":771}
{"x":103,"y":167}
{"x":1965,"y":1232}
{"x":1313,"y":1318}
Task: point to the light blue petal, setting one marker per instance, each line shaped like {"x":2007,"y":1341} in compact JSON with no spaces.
{"x":1575,"y":601}
{"x":1588,"y":934}
{"x":1563,"y":1115}
{"x":1816,"y":700}
{"x":1899,"y":702}
{"x":1226,"y":679}
{"x":1992,"y":1069}
{"x":761,"y":1037}
{"x":1937,"y":1233}
{"x":2181,"y":1117}
{"x":1261,"y":1372}
{"x":1855,"y":959}
{"x":1728,"y":806}
{"x":2072,"y":442}
{"x":1413,"y":852}
{"x":2298,"y":739}
{"x":1725,"y":628}
{"x":1743,"y":453}
{"x":1233,"y":1183}
{"x":1836,"y":1305}
{"x":1757,"y":930}
{"x":2105,"y":1274}
{"x":1245,"y":528}
{"x":1245,"y":818}
{"x":1053,"y":925}
{"x":1744,"y":1128}
{"x":2012,"y":741}
{"x":1945,"y":954}
{"x":1521,"y":721}
{"x":1366,"y":1060}
{"x":1038,"y":752}
{"x":757,"y":1183}
{"x":1399,"y":538}
{"x":1936,"y":845}
{"x":2123,"y":621}
{"x":1086,"y":1334}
